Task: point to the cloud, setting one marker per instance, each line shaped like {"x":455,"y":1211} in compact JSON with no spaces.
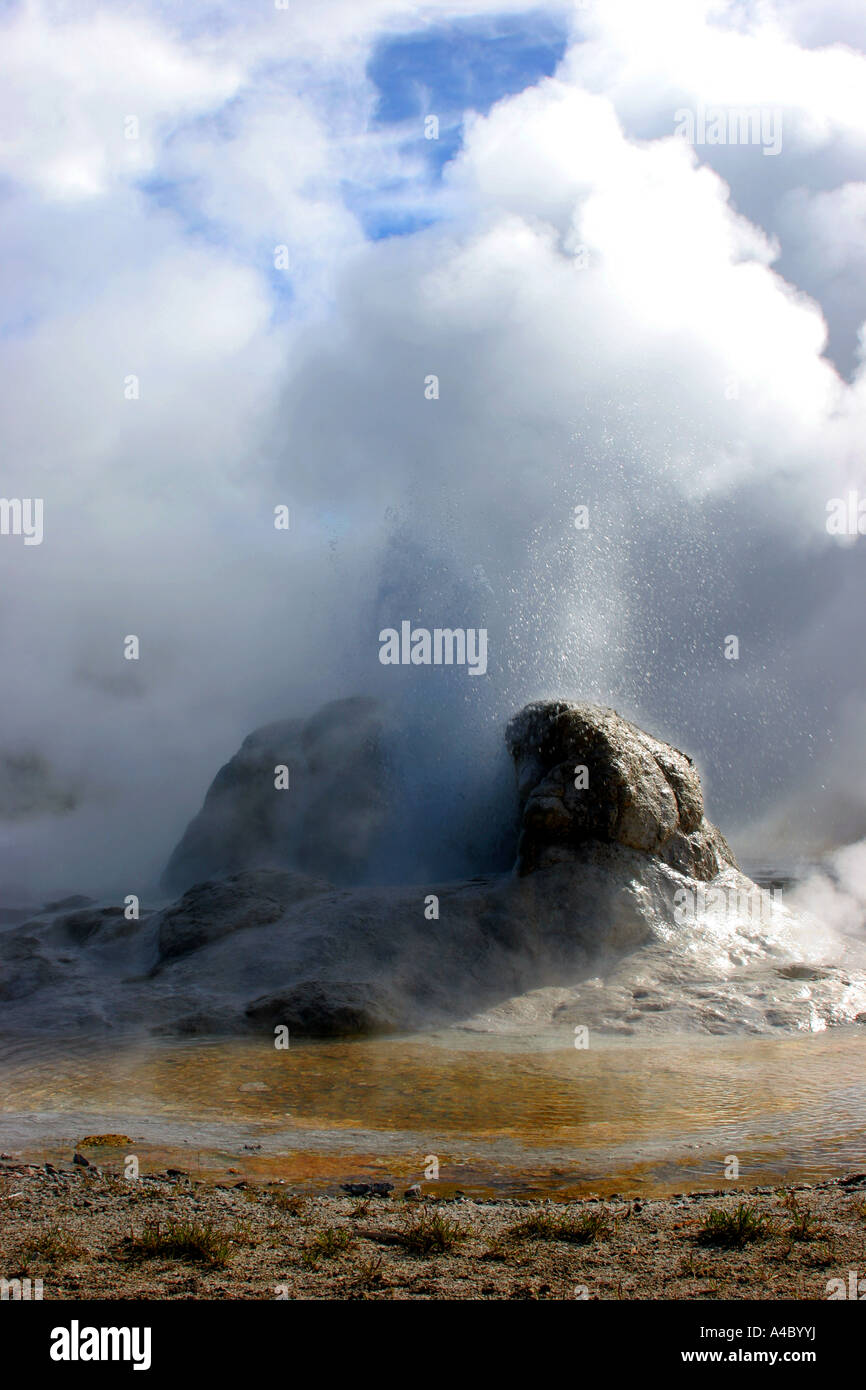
{"x":69,"y":137}
{"x":652,"y":62}
{"x":612,"y":322}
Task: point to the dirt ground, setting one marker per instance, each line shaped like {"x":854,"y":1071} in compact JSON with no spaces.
{"x":90,"y":1234}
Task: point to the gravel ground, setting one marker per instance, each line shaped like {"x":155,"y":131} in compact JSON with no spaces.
{"x":90,"y":1234}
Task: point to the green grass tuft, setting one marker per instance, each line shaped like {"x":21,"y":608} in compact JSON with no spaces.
{"x":581,"y":1229}
{"x":733,"y":1229}
{"x":332,"y":1241}
{"x":802,"y":1219}
{"x":182,"y":1240}
{"x":49,"y":1247}
{"x":431,"y":1233}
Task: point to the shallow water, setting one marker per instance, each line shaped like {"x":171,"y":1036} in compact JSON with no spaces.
{"x":507,"y":1116}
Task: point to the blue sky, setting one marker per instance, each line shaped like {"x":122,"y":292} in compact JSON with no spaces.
{"x":451,"y":68}
{"x":446,"y":71}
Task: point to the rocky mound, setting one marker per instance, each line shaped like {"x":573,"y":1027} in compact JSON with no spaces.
{"x":324,"y":822}
{"x":584,"y":773}
{"x":625,"y":911}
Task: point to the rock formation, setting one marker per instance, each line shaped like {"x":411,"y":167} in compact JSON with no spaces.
{"x":584,"y":773}
{"x":584,"y":931}
{"x":325,"y":823}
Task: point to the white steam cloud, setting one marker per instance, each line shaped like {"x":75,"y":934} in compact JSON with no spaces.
{"x":670,"y":336}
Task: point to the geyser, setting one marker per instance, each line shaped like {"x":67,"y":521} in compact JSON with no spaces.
{"x":583,"y":930}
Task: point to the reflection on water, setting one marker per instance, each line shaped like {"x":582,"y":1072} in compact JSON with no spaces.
{"x":500,"y":1115}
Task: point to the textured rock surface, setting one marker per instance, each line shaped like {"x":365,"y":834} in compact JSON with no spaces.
{"x":590,"y":940}
{"x":639,"y":792}
{"x":589,"y":931}
{"x":325,"y":823}
{"x":209,"y":911}
{"x":328,"y":1008}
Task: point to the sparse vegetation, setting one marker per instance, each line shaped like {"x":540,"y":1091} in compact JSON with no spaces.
{"x":182,"y":1240}
{"x":430,"y":1233}
{"x":105,"y":1141}
{"x":802,"y":1219}
{"x":733,"y":1229}
{"x":541,"y":1225}
{"x":334,"y":1240}
{"x":86,"y":1235}
{"x":291,"y":1204}
{"x":496,"y":1249}
{"x":580,"y":1229}
{"x":370,"y":1270}
{"x":53,"y":1245}
{"x":820,"y":1257}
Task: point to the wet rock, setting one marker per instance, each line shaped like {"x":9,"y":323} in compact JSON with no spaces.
{"x":327,"y":1009}
{"x":639,"y":793}
{"x":325,"y":824}
{"x":777,"y":1018}
{"x":80,"y":1160}
{"x":81,"y":927}
{"x":25,"y":968}
{"x":64,"y":904}
{"x":212,"y":910}
{"x":801,"y":971}
{"x":589,"y":914}
{"x":413,"y":1193}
